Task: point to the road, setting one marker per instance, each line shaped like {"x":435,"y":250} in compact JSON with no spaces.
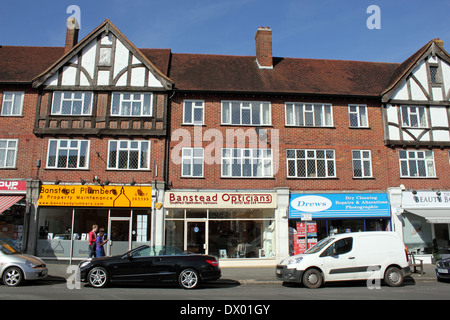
{"x":226,"y":290}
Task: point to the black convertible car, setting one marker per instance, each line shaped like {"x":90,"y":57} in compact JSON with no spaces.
{"x":151,"y":264}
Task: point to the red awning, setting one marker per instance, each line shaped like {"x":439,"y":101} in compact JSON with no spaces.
{"x":7,"y":201}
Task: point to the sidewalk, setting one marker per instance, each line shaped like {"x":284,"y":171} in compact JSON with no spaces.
{"x":263,"y":275}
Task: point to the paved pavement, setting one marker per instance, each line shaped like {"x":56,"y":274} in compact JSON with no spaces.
{"x":58,"y":270}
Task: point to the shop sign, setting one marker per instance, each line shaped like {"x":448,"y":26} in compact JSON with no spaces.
{"x":426,"y":200}
{"x":339,"y":205}
{"x":13,"y":186}
{"x":181,"y":199}
{"x":95,"y":196}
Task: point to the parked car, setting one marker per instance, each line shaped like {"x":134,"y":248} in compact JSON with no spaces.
{"x":151,"y":264}
{"x":16,"y":267}
{"x":349,"y":256}
{"x":443,"y":269}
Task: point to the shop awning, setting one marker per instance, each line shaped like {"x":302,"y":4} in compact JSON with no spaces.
{"x":7,"y":201}
{"x":433,"y":215}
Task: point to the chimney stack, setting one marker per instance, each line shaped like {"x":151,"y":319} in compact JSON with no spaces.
{"x":71,"y":34}
{"x":263,"y":39}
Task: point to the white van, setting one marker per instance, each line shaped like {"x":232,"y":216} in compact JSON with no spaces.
{"x":349,"y":256}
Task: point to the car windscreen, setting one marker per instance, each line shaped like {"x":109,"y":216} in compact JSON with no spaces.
{"x":7,"y":249}
{"x":319,"y":245}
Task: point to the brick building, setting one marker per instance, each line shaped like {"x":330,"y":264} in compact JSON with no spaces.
{"x":219,"y":154}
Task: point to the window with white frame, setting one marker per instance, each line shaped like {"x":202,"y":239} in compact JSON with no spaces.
{"x":246,"y":113}
{"x":12,"y":103}
{"x":309,"y":163}
{"x":358,"y":116}
{"x":72,"y":103}
{"x":8,"y":153}
{"x":68,"y":154}
{"x":251,"y":163}
{"x":416,"y":164}
{"x":308,"y":114}
{"x":414,"y":116}
{"x":129,"y":155}
{"x":192,"y":162}
{"x":362,"y":164}
{"x":193,"y":112}
{"x":131,"y":104}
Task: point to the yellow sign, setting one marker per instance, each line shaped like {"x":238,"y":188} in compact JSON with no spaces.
{"x":95,"y":196}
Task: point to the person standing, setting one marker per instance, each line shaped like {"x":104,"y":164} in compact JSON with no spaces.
{"x":93,"y":241}
{"x":100,"y":252}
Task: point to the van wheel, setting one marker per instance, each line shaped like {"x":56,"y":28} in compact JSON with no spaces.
{"x":312,"y":278}
{"x":393,"y":277}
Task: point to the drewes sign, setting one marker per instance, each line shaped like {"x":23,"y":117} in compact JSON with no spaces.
{"x":339,"y":205}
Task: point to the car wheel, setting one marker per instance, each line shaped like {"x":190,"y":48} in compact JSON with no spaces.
{"x":393,"y":277}
{"x":312,"y":278}
{"x":98,"y":277}
{"x":13,"y":277}
{"x":188,"y":279}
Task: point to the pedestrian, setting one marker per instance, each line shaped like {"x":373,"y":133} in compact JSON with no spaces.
{"x":92,"y":241}
{"x":100,"y":252}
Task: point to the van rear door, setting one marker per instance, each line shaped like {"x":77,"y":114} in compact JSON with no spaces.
{"x":339,"y":260}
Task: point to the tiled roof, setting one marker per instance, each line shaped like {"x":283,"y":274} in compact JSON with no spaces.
{"x":22,"y":64}
{"x":196,"y":72}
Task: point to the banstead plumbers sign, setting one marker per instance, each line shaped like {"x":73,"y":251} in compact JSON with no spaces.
{"x":222,"y":200}
{"x":95,"y":196}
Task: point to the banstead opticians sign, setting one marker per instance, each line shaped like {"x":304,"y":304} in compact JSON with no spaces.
{"x":184,"y":199}
{"x":95,"y":196}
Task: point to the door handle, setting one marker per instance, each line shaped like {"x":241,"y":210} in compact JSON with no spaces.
{"x":351,"y":258}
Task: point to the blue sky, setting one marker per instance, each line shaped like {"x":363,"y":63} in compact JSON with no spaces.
{"x":325,"y":29}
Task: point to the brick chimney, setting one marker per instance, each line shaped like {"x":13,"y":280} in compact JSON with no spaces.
{"x":263,"y":39}
{"x":71,"y":34}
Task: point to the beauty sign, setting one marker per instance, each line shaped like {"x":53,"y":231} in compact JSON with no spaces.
{"x":339,"y":205}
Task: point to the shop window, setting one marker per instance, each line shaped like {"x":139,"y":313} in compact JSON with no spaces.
{"x":12,"y":223}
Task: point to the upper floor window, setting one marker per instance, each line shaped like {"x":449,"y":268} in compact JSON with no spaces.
{"x":131,"y":104}
{"x":8,"y":153}
{"x":70,"y":103}
{"x":434,"y":74}
{"x":307,"y":163}
{"x":192,"y":160}
{"x":414,"y":116}
{"x":362,"y":164}
{"x":193,"y":112}
{"x":129,"y":155}
{"x":416,"y":164}
{"x":12,"y":103}
{"x":308,"y":114}
{"x":252,"y":163}
{"x":246,"y":113}
{"x":68,"y":154}
{"x":358,"y":116}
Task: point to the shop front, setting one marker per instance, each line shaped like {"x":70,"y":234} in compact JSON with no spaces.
{"x":13,"y":207}
{"x":313,"y":217}
{"x":67,"y":214}
{"x":234,"y":226}
{"x":426,"y":222}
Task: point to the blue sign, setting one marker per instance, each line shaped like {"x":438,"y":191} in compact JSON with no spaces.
{"x":339,"y":205}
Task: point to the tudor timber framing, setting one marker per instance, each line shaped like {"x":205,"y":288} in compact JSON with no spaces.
{"x":100,"y":122}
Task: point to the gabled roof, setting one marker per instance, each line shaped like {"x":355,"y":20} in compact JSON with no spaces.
{"x":411,"y":63}
{"x":106,"y":26}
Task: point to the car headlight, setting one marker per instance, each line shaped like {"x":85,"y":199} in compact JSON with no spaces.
{"x":83,"y":264}
{"x":30,"y":264}
{"x":294,"y":261}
